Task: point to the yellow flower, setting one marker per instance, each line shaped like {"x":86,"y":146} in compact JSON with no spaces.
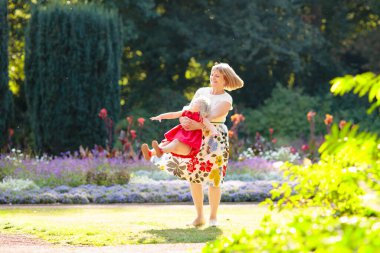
{"x":219,"y":160}
{"x":162,"y":167}
{"x":214,"y":174}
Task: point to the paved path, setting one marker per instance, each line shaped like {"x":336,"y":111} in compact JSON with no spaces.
{"x":29,"y":244}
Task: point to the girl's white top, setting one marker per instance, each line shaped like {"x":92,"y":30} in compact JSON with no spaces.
{"x":214,"y":100}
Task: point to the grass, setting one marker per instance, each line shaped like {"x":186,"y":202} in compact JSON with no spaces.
{"x":125,"y":224}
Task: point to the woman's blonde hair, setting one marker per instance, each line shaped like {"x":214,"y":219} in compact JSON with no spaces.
{"x":233,"y":81}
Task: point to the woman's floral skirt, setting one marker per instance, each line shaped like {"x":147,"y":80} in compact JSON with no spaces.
{"x":208,"y":166}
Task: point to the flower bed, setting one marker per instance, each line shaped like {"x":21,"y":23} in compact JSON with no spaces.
{"x":152,"y":192}
{"x":70,"y":179}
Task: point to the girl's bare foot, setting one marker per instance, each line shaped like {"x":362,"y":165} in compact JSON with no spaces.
{"x":146,"y":152}
{"x":157,"y":149}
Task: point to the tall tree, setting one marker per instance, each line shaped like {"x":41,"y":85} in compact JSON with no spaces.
{"x":72,"y":70}
{"x":5,"y":94}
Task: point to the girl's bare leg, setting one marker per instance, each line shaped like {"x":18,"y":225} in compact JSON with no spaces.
{"x":197,"y":194}
{"x":176,"y":147}
{"x":214,"y":194}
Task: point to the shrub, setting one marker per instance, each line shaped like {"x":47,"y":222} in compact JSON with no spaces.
{"x":48,"y":198}
{"x":10,"y":184}
{"x":285,"y":111}
{"x":305,"y":234}
{"x":339,"y":183}
{"x":64,"y":102}
{"x":107,"y":176}
{"x":5,"y":94}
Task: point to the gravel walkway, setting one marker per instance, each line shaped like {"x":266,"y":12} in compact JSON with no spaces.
{"x":29,"y":244}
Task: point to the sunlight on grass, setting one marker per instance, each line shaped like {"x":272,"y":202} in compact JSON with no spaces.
{"x":125,"y":224}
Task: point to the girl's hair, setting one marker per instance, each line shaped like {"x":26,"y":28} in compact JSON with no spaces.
{"x":204,"y":105}
{"x":233,"y":81}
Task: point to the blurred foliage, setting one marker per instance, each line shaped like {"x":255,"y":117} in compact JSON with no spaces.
{"x":342,"y":188}
{"x":6,"y":102}
{"x":304,"y":233}
{"x":367,"y":83}
{"x":171,"y":45}
{"x":64,"y":102}
{"x":285,"y":111}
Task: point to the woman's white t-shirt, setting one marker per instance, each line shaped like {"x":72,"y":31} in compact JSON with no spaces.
{"x":214,"y":100}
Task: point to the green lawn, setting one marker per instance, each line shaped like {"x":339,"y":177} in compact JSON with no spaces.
{"x":125,"y":224}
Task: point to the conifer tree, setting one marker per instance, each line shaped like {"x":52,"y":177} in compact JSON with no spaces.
{"x":5,"y":95}
{"x":72,"y":72}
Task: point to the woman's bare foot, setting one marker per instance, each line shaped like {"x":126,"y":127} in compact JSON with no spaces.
{"x":157,"y":149}
{"x":199,"y":222}
{"x":146,"y":152}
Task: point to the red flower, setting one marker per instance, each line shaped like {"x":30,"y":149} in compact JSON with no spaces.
{"x":293,"y":150}
{"x":11,"y":132}
{"x":342,"y":123}
{"x":310,"y":115}
{"x":237,"y":118}
{"x":274,"y":141}
{"x":133,"y":134}
{"x":329,"y":119}
{"x":141,"y":122}
{"x":224,"y":170}
{"x":271,"y":131}
{"x":305,"y":147}
{"x":191,"y":166}
{"x":130,"y":120}
{"x":205,"y":166}
{"x":103,"y":113}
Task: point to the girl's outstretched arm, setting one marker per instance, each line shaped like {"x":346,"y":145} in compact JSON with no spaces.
{"x":168,"y":115}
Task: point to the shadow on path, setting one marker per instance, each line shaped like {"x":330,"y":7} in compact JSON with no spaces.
{"x":186,"y":235}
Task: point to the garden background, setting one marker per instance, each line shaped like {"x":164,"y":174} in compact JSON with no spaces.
{"x":80,"y":79}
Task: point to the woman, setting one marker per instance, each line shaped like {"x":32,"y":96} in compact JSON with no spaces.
{"x":210,"y":164}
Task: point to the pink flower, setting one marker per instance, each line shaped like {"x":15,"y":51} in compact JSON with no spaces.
{"x":103,"y":113}
{"x":141,"y":122}
{"x":237,"y":118}
{"x":310,"y":115}
{"x":342,"y":123}
{"x":271,"y":131}
{"x":133,"y":134}
{"x":305,"y":147}
{"x":274,"y":141}
{"x":130,"y":120}
{"x":329,"y":119}
{"x":293,"y":150}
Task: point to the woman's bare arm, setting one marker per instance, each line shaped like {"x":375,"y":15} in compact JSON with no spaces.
{"x":168,"y":115}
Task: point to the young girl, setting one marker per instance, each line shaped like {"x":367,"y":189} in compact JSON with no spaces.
{"x":177,"y":140}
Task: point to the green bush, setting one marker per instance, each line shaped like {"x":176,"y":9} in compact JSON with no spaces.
{"x":72,"y":71}
{"x":337,"y":188}
{"x":5,"y":94}
{"x":285,"y":111}
{"x":107,"y":176}
{"x":305,"y":233}
{"x":11,"y":184}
